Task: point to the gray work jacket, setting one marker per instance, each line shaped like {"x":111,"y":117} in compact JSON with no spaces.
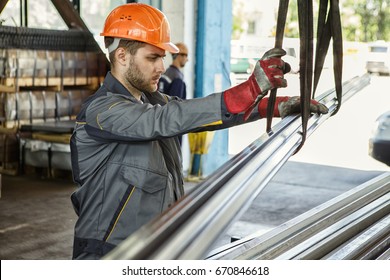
{"x":126,"y":159}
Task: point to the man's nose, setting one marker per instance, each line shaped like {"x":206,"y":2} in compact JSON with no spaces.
{"x":160,"y":66}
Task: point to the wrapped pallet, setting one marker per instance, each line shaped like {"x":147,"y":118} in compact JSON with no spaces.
{"x":44,"y":77}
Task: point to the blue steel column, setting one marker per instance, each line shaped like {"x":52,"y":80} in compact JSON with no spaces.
{"x":214,"y":27}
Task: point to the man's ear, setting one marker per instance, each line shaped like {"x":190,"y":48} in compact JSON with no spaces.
{"x":120,"y":54}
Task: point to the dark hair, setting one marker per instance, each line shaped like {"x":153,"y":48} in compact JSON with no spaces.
{"x":131,"y":46}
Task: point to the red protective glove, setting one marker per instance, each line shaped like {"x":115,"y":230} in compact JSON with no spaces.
{"x":268,"y":74}
{"x":285,"y":105}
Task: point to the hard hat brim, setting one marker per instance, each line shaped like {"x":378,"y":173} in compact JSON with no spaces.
{"x":170,"y":47}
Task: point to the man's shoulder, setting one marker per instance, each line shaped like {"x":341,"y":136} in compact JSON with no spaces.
{"x":173,"y":73}
{"x":105,"y":97}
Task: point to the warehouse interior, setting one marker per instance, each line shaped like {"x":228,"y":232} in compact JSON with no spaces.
{"x":46,"y":74}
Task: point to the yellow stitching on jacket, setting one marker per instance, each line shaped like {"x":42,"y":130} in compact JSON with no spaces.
{"x":120,"y":213}
{"x":81,"y":122}
{"x":114,"y":104}
{"x":213,"y":123}
{"x":117,"y":104}
{"x":97,"y":121}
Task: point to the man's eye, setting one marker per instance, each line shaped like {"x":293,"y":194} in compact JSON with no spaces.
{"x":155,"y":58}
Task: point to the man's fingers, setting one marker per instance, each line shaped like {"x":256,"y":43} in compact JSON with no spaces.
{"x":286,"y":68}
{"x":292,"y":106}
{"x":319,"y":108}
{"x":274,"y":62}
{"x":277,"y":62}
{"x":278,"y":81}
{"x":275,"y":52}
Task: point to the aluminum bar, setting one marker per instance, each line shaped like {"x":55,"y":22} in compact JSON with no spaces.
{"x":297,"y":230}
{"x":376,"y":249}
{"x":385,"y":255}
{"x":339,"y":232}
{"x":363,"y":242}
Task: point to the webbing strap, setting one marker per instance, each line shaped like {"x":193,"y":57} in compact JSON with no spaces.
{"x":281,"y":23}
{"x":329,"y":27}
{"x":305,"y":18}
{"x":337,"y":36}
{"x":323,"y":40}
{"x":280,"y":26}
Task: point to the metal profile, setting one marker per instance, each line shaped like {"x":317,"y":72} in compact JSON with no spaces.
{"x":366,"y":244}
{"x":335,"y":234}
{"x":297,"y":230}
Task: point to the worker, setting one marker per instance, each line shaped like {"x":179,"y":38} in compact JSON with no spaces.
{"x":172,"y":81}
{"x":126,"y":159}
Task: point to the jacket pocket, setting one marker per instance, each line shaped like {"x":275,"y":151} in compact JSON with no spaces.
{"x":143,"y":196}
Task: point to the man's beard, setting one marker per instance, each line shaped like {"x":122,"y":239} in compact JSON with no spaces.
{"x":137,"y":79}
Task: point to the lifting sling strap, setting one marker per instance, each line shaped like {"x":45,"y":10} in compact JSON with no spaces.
{"x":305,"y":19}
{"x":329,"y":27}
{"x":280,"y":25}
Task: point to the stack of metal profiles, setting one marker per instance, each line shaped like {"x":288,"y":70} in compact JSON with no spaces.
{"x":190,"y":228}
{"x":354,"y":225}
{"x":44,"y":77}
{"x":40,"y":57}
{"x":48,"y":122}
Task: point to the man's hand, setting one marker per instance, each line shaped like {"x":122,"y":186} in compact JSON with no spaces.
{"x":269,"y":70}
{"x":293,"y":106}
{"x":268,"y":74}
{"x":286,"y":105}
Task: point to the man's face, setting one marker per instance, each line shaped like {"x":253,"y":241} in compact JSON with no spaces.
{"x":183,"y":58}
{"x":145,"y":68}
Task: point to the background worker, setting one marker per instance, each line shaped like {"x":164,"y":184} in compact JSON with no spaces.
{"x":126,"y":158}
{"x":172,"y":81}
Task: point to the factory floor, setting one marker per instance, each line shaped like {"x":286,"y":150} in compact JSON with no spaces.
{"x":37,"y":218}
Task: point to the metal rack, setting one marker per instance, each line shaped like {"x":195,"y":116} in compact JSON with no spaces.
{"x":44,"y":76}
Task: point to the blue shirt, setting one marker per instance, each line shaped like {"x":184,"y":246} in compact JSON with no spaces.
{"x":172,"y":83}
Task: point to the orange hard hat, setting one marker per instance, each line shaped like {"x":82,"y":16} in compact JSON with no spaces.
{"x":140,"y":22}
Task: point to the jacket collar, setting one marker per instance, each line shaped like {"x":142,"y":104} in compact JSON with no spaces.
{"x":114,"y":86}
